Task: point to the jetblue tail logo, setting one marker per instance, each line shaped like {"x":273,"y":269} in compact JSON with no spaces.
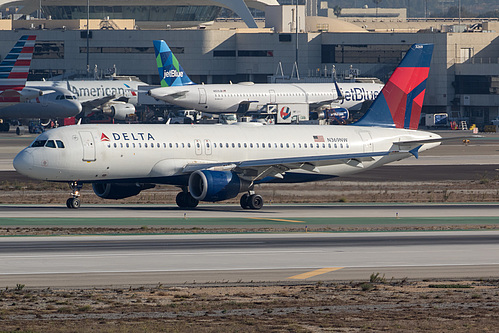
{"x":401,"y":99}
{"x":169,"y":70}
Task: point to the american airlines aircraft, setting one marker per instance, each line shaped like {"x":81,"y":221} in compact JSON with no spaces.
{"x":116,"y":98}
{"x":217,"y":162}
{"x":55,"y":102}
{"x":177,"y":88}
{"x":14,"y":70}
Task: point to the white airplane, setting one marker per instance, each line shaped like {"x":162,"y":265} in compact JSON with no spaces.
{"x":177,"y":88}
{"x":54,"y":102}
{"x":116,"y":98}
{"x":217,"y":162}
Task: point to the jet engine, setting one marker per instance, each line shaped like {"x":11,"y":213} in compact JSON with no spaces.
{"x":118,"y":190}
{"x":30,"y":93}
{"x":120,"y":111}
{"x":208,"y":185}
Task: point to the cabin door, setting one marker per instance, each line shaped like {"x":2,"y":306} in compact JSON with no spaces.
{"x":87,"y":140}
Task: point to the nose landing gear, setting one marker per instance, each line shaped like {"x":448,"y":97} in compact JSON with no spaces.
{"x":251,"y":200}
{"x":74,"y":202}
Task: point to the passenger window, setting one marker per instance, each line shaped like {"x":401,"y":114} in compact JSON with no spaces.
{"x":183,"y":146}
{"x":145,"y":145}
{"x":329,"y":145}
{"x":233,"y":145}
{"x":305,"y":145}
{"x":335,"y":145}
{"x":287,"y":145}
{"x":282,"y":146}
{"x":115,"y":145}
{"x":171,"y":145}
{"x":239,"y":145}
{"x":60,"y":144}
{"x":251,"y":145}
{"x":263,"y":145}
{"x":164,"y":145}
{"x":341,"y":145}
{"x":299,"y":145}
{"x":133,"y":145}
{"x":257,"y":145}
{"x":227,"y":145}
{"x":157,"y":145}
{"x":121,"y":144}
{"x":188,"y":145}
{"x":245,"y":145}
{"x":176,"y":144}
{"x":127,"y":145}
{"x":347,"y":145}
{"x":50,"y":144}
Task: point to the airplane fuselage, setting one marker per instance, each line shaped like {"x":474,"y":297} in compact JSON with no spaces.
{"x":160,"y":153}
{"x":227,"y":98}
{"x":89,"y":90}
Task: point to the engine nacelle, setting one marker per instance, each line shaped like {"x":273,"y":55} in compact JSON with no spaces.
{"x":207,"y":185}
{"x":118,"y":190}
{"x":119,"y":111}
{"x":30,"y":93}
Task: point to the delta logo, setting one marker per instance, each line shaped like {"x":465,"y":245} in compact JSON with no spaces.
{"x":104,"y":137}
{"x":285,"y":112}
{"x":172,"y":73}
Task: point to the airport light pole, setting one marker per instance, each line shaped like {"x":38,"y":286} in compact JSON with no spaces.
{"x":88,"y":51}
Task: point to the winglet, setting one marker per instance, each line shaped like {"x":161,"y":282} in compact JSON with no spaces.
{"x":415,"y":151}
{"x":170,"y":71}
{"x":401,"y":99}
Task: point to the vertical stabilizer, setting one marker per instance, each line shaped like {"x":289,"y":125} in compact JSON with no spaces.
{"x":401,"y":99}
{"x":15,"y":66}
{"x":169,"y":70}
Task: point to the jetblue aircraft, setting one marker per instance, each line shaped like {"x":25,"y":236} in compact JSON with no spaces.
{"x":217,"y":162}
{"x":177,"y":88}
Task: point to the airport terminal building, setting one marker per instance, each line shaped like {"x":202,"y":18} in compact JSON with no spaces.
{"x":463,"y":81}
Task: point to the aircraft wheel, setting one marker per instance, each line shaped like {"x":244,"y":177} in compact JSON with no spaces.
{"x":244,"y":201}
{"x":73,"y":203}
{"x":181,"y":200}
{"x":191,"y":202}
{"x":255,"y":201}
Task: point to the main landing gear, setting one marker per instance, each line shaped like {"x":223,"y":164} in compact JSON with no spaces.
{"x":185,"y":200}
{"x":74,"y":202}
{"x":251,"y":200}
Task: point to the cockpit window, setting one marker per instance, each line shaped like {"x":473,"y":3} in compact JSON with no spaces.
{"x":60,"y":144}
{"x":50,"y":144}
{"x":39,"y":143}
{"x":68,"y":97}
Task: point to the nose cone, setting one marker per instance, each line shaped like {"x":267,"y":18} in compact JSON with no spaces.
{"x":74,"y":106}
{"x":23,"y":163}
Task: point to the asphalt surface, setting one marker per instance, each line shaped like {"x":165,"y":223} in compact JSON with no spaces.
{"x":106,"y":260}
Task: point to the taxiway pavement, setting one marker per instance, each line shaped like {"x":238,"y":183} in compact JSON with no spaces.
{"x":173,"y":259}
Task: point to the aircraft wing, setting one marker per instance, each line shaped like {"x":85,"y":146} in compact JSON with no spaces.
{"x":98,"y":102}
{"x":275,"y":167}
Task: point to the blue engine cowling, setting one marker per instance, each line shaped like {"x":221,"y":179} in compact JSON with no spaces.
{"x":207,"y":185}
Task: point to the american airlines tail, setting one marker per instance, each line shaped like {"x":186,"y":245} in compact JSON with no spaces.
{"x":15,"y":66}
{"x":170,"y":71}
{"x":401,"y":99}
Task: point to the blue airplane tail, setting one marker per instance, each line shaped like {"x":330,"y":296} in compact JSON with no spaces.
{"x":169,"y":70}
{"x":401,"y":99}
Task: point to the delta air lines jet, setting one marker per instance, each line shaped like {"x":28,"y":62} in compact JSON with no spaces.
{"x":177,"y":88}
{"x":217,"y":162}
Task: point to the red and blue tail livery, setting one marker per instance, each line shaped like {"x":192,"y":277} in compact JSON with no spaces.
{"x":15,"y":66}
{"x":401,"y":99}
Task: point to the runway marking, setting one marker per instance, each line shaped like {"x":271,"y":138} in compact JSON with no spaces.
{"x":314,"y":273}
{"x":279,"y":220}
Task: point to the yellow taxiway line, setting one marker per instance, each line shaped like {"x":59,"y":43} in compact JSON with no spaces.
{"x":314,"y":273}
{"x":279,"y":220}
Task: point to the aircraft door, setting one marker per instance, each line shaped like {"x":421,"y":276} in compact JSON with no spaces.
{"x":202,"y":96}
{"x":368,"y":143}
{"x":197,"y":146}
{"x":207,"y":146}
{"x":87,"y":140}
{"x":272,"y":96}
